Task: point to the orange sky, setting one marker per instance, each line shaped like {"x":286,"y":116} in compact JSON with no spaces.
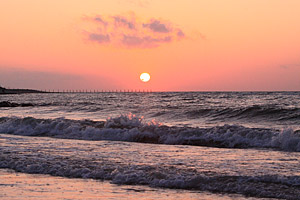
{"x":184,"y":45}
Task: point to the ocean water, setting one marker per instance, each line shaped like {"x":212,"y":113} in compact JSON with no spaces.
{"x":221,"y":143}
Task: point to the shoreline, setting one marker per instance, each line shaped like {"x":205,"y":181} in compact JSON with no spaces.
{"x":38,"y":186}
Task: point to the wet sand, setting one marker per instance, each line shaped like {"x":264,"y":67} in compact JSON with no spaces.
{"x":15,"y":186}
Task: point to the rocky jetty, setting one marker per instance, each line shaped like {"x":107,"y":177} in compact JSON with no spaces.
{"x":11,"y":104}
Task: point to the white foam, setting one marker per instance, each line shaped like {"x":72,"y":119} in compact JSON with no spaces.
{"x":132,"y":128}
{"x":153,"y":165}
{"x":258,"y":186}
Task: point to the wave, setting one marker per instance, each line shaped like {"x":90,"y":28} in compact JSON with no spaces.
{"x":211,"y":112}
{"x":78,"y":166}
{"x":255,"y":111}
{"x":255,"y":186}
{"x":133,"y":129}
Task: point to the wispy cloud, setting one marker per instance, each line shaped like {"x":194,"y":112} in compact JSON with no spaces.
{"x":146,"y":41}
{"x":100,"y":38}
{"x":128,"y":31}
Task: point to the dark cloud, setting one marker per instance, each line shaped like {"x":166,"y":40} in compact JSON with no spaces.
{"x":129,"y":32}
{"x":157,"y":26}
{"x":100,"y":38}
{"x":122,"y":21}
{"x":100,"y":20}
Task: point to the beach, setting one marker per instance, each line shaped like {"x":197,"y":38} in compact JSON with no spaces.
{"x":16,"y":186}
{"x":151,"y":146}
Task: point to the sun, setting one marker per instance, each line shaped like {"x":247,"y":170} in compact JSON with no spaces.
{"x":145,"y":77}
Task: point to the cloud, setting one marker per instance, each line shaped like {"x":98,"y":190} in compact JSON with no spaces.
{"x":132,"y":40}
{"x":100,"y":20}
{"x":128,"y":31}
{"x":157,"y":26}
{"x":100,"y":38}
{"x":180,"y":33}
{"x":122,"y":21}
{"x":144,"y":41}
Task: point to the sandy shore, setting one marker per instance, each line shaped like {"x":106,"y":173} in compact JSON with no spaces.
{"x":15,"y":186}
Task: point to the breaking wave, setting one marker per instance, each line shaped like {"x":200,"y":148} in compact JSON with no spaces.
{"x":133,"y":129}
{"x":269,"y":186}
{"x":251,"y":112}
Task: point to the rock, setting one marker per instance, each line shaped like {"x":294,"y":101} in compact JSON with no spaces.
{"x":10,"y":104}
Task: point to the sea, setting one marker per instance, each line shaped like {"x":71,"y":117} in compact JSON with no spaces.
{"x":150,"y":145}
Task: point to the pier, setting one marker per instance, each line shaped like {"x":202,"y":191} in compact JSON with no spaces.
{"x":97,"y":91}
{"x":70,"y":91}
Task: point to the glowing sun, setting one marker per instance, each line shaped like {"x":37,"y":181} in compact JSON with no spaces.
{"x":145,"y":77}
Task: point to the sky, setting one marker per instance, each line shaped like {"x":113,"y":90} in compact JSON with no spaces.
{"x":185,"y":45}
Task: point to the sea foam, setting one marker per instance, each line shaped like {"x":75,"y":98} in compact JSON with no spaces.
{"x":110,"y":161}
{"x":132,"y":128}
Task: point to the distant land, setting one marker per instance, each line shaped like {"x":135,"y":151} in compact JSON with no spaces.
{"x":18,"y":91}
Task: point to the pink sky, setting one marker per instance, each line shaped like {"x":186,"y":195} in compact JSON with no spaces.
{"x":184,"y":45}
